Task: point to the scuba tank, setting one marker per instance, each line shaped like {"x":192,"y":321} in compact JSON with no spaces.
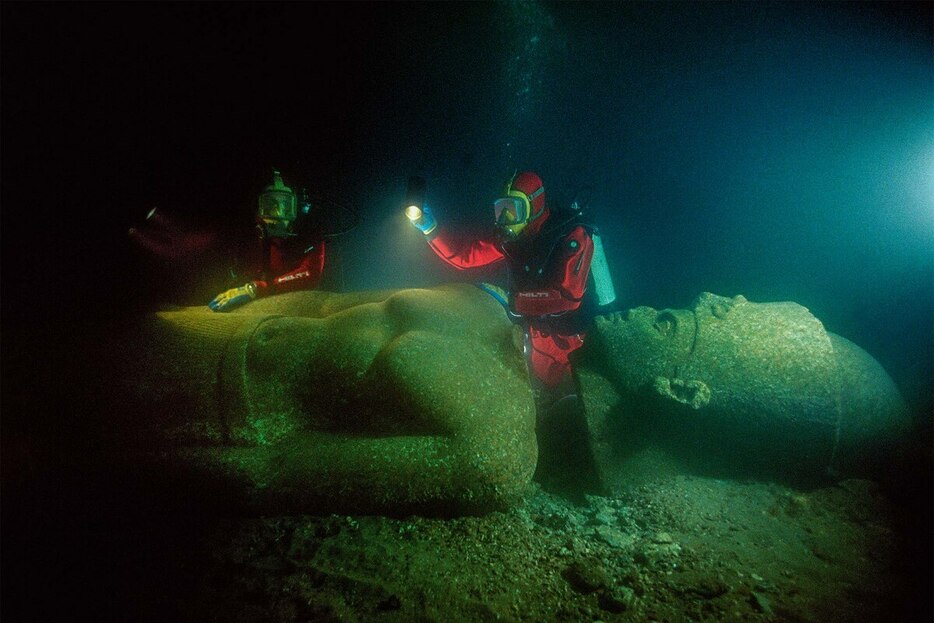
{"x":600,"y":272}
{"x":599,"y":269}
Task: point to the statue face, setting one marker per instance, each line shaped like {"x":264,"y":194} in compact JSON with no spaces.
{"x":639,"y":344}
{"x":754,"y":358}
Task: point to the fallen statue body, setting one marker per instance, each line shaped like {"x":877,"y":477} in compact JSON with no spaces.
{"x":419,"y":401}
{"x":402,"y":401}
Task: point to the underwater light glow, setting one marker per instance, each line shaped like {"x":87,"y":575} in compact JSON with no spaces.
{"x":413,"y":212}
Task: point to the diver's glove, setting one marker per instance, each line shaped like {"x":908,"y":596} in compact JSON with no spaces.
{"x":234,"y":297}
{"x":423,"y":219}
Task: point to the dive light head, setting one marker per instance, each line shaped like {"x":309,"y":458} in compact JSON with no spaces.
{"x":413,"y":212}
{"x":416,"y":210}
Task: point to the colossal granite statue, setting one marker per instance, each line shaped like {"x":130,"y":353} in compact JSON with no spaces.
{"x":735,"y":387}
{"x":398,"y":401}
{"x":418,"y":400}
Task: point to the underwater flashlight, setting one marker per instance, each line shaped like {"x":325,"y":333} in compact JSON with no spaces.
{"x":413,"y":212}
{"x":415,"y":209}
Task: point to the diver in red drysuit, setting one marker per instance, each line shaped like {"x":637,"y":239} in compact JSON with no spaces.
{"x":290,"y":259}
{"x":549,"y":260}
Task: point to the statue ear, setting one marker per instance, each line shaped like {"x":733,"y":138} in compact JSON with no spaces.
{"x":693,"y":393}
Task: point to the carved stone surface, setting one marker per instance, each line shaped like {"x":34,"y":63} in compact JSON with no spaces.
{"x":736,"y":386}
{"x":397,"y":401}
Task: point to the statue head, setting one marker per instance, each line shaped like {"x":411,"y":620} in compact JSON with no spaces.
{"x":761,"y":380}
{"x":761,"y":353}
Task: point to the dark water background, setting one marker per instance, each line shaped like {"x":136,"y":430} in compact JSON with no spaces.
{"x":779,"y":151}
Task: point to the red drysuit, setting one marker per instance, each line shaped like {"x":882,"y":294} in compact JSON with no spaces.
{"x":289,"y":264}
{"x":548,"y":268}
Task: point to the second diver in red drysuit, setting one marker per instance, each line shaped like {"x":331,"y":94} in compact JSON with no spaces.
{"x":289,"y":259}
{"x":549,"y":259}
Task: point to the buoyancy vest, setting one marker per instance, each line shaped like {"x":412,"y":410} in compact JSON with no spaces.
{"x":533,"y":264}
{"x":530,"y":260}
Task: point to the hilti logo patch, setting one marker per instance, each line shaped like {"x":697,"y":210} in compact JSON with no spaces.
{"x":534,"y":295}
{"x":285,"y":278}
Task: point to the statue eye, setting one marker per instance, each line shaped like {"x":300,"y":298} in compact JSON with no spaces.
{"x":665,"y":323}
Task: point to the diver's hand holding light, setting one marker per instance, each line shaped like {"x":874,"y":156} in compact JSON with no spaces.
{"x":422,"y":218}
{"x":416,"y":210}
